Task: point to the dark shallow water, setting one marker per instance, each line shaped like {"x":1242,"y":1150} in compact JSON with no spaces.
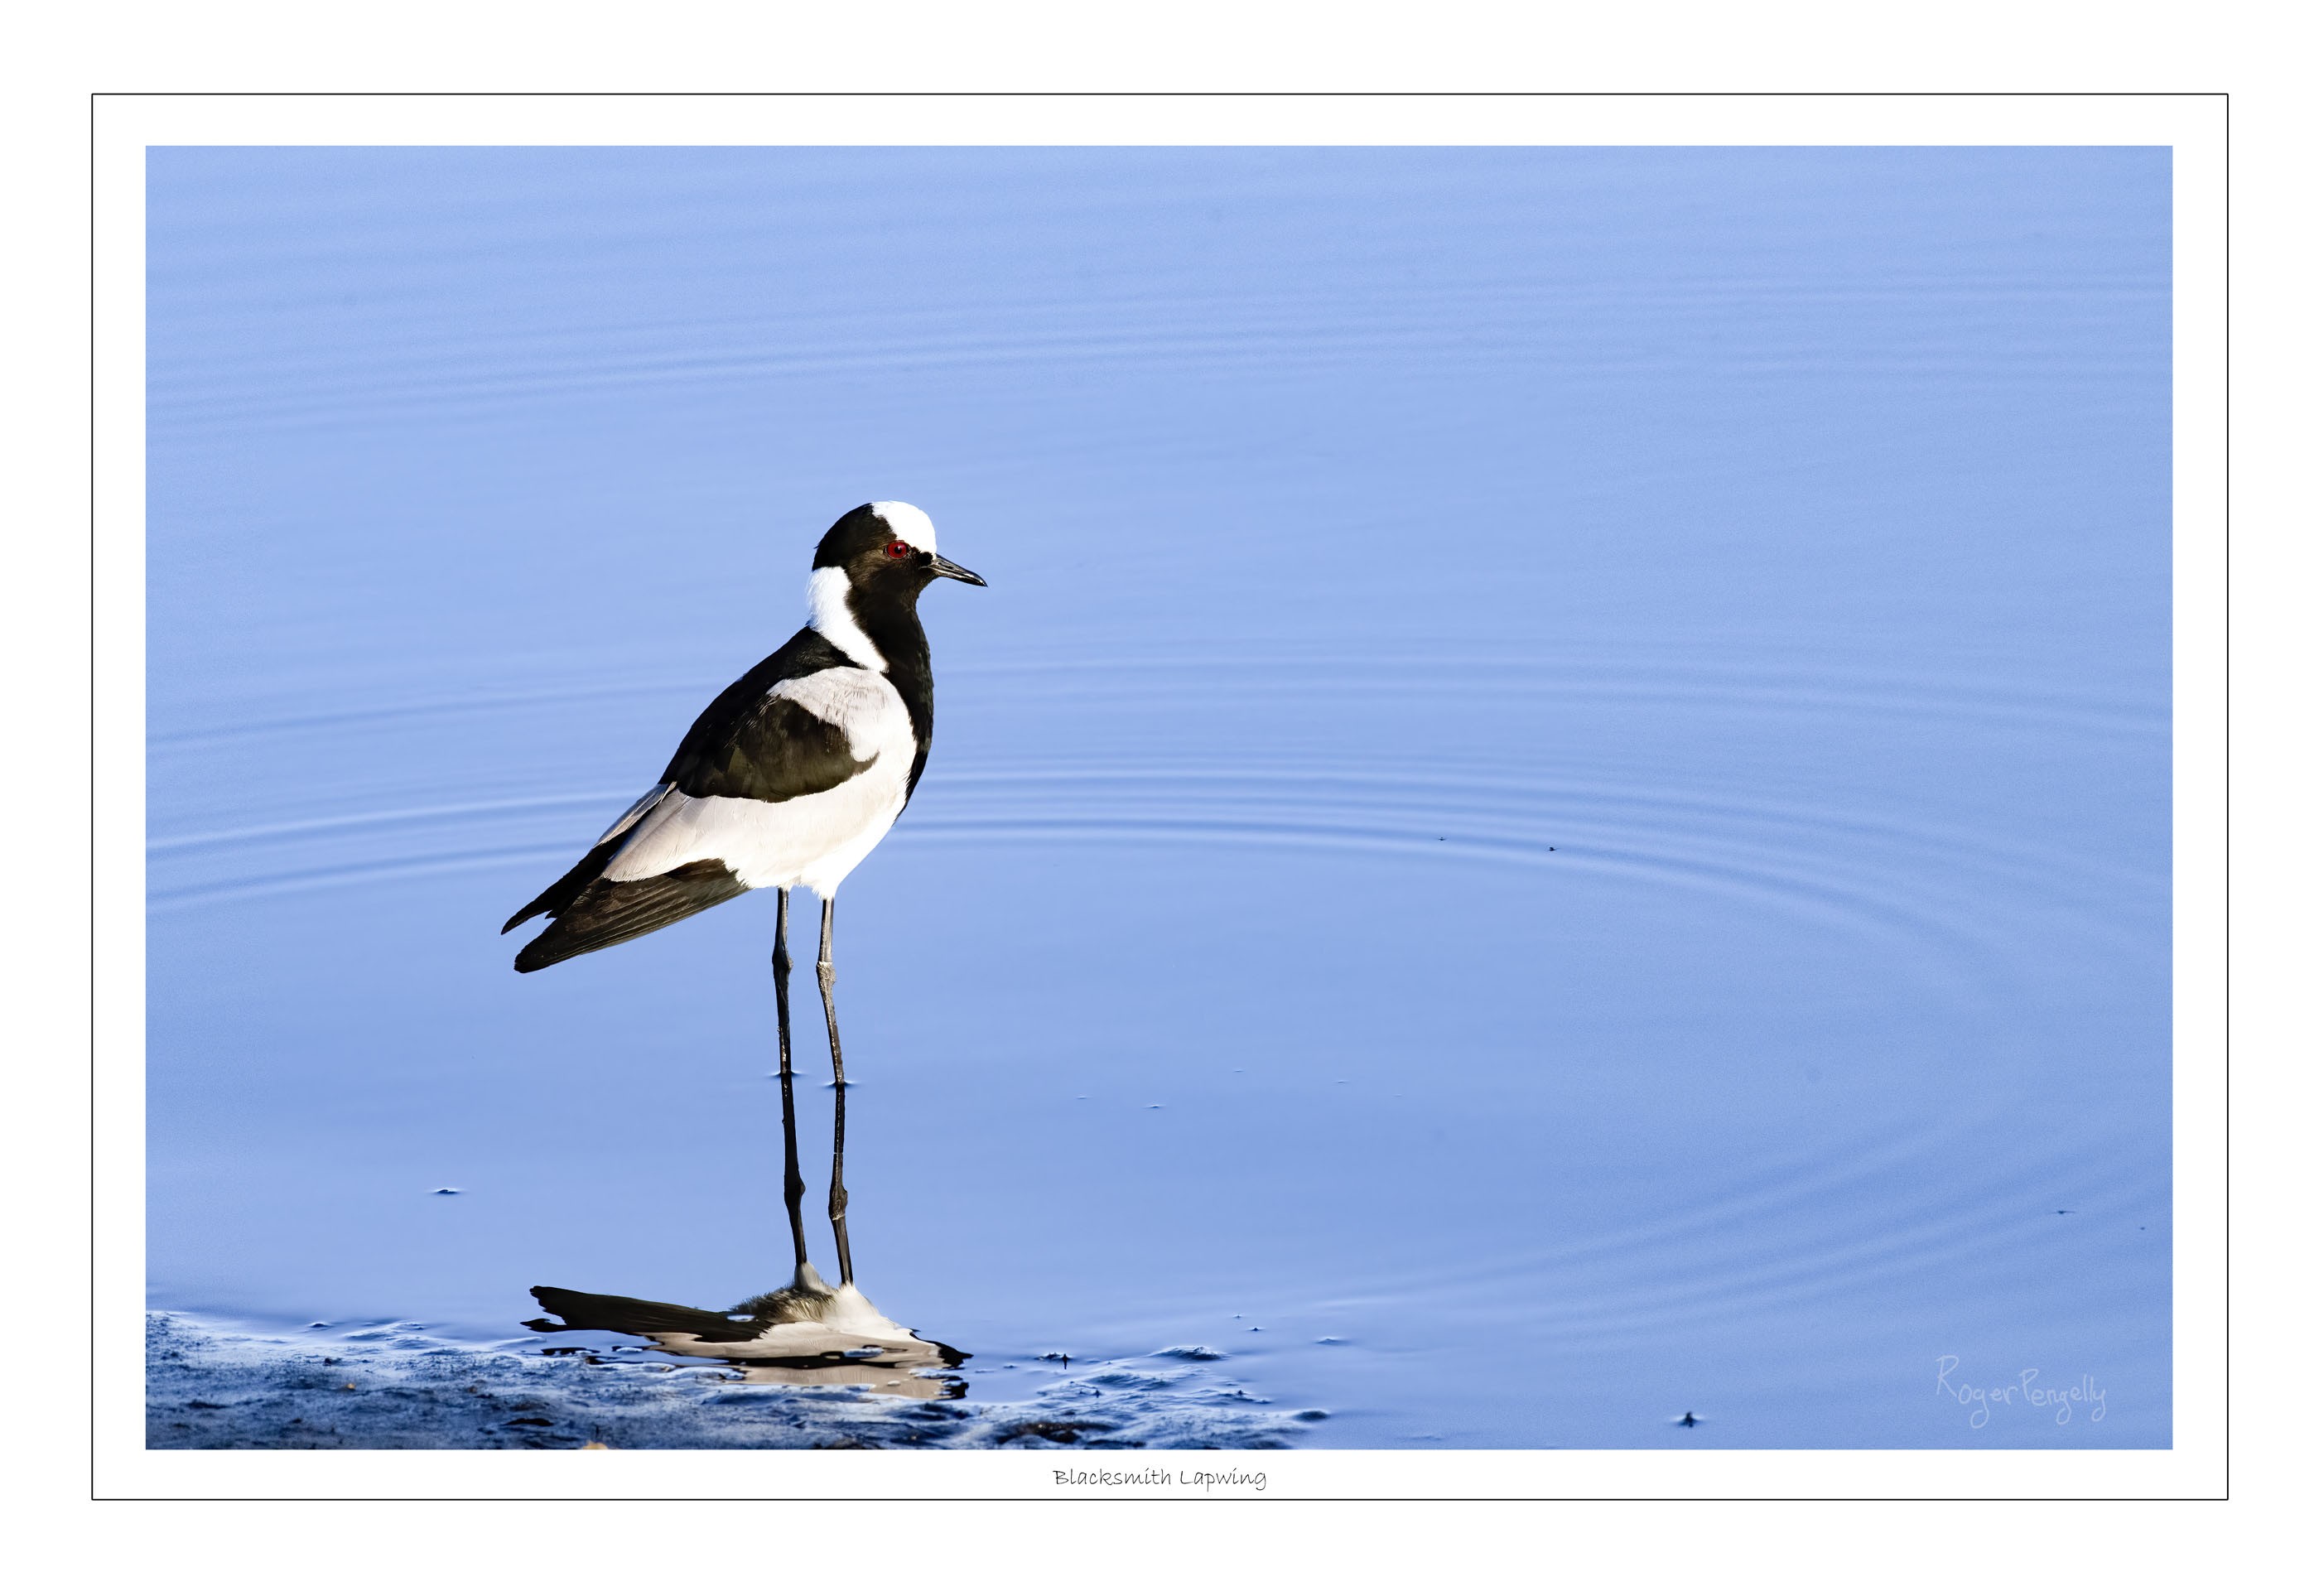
{"x":1557,"y":814}
{"x":337,"y":1387}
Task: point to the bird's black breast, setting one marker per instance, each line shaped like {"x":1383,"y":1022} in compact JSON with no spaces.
{"x":747,"y":744}
{"x":894,"y":630}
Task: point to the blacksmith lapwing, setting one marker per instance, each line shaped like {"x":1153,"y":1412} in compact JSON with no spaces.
{"x":788,"y":779}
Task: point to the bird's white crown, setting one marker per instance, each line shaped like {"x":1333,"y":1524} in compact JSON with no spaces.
{"x":912,"y":525}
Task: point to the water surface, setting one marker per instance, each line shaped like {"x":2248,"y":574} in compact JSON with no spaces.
{"x":1557,"y":815}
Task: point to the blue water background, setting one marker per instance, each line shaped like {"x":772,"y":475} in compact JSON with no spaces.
{"x":1556,"y":815}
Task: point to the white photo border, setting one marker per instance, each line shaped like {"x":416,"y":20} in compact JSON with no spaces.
{"x":2195,"y":128}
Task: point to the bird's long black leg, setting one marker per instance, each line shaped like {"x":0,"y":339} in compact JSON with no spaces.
{"x":828,"y":974}
{"x":792,"y":1182}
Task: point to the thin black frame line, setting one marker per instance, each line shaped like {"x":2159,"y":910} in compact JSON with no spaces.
{"x":1162,"y":94}
{"x":92,"y":788}
{"x":2226,"y":809}
{"x":1219,"y":1500}
{"x":96,"y":94}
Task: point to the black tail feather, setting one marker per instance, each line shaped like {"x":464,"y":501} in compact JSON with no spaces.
{"x":558,"y":898}
{"x":599,"y":912}
{"x":633,"y":1316}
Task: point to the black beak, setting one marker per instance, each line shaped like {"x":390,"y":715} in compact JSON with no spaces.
{"x":957,"y":573}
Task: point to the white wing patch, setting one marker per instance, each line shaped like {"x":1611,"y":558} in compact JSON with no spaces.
{"x":857,"y":702}
{"x":814,"y":840}
{"x":636,"y":812}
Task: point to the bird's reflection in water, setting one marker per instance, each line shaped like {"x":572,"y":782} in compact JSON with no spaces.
{"x":808,"y":1332}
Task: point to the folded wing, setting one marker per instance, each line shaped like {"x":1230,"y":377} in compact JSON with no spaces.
{"x":604,"y":912}
{"x":803,"y":723}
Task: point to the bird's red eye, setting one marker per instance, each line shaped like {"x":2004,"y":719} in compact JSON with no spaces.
{"x":896,"y":549}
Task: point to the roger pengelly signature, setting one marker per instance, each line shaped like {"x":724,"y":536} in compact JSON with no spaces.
{"x":2027,"y":1389}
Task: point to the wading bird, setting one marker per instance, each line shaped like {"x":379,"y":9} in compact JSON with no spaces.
{"x":788,"y":779}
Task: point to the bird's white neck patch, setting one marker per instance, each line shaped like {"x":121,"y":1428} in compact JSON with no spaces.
{"x":833,"y":617}
{"x":912,"y":525}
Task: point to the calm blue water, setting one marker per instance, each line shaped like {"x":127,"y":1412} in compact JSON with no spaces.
{"x":1557,"y":814}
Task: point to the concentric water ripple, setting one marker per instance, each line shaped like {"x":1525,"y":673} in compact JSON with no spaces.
{"x":1935,"y":893}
